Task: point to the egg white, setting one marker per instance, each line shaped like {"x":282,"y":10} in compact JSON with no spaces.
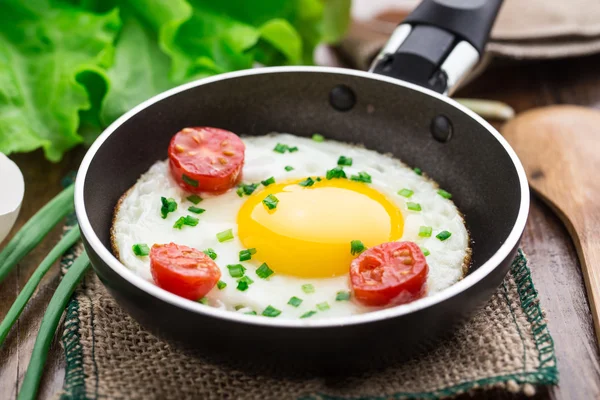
{"x":137,"y":219}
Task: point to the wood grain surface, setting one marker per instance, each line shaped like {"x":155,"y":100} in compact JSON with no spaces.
{"x":556,"y":271}
{"x":559,"y":147}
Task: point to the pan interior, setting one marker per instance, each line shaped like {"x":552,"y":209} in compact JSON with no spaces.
{"x":388,"y":118}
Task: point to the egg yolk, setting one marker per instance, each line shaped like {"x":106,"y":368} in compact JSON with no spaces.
{"x":308,"y":234}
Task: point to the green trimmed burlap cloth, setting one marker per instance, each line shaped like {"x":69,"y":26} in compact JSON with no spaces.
{"x":109,"y":356}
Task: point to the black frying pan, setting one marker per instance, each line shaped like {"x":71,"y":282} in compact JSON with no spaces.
{"x":439,"y":42}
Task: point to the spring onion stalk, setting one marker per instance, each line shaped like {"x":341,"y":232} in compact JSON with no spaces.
{"x":48,"y":327}
{"x":15,"y":310}
{"x":32,"y":233}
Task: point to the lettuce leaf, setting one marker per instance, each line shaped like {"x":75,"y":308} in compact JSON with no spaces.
{"x":68,"y":68}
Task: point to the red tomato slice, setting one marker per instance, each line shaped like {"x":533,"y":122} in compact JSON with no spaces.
{"x":389,"y":274}
{"x":182,"y":270}
{"x":204,"y":159}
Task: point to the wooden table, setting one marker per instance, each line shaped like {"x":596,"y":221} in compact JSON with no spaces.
{"x":556,"y":271}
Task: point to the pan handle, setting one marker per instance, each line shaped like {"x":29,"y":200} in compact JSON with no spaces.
{"x":438,"y":43}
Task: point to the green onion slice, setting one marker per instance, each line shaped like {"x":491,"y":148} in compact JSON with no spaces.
{"x":225,"y":235}
{"x":418,"y":171}
{"x":337,"y":173}
{"x":168,"y":205}
{"x":444,"y":194}
{"x":356,"y":247}
{"x":280,"y":148}
{"x":323,"y":306}
{"x":270,"y":202}
{"x":413,"y":206}
{"x":264,"y":271}
{"x":189,"y":181}
{"x":211,"y":253}
{"x":425,"y":231}
{"x":268,"y":182}
{"x":308,"y":314}
{"x":271,"y":311}
{"x":425,"y":251}
{"x":196,"y":210}
{"x":251,"y":313}
{"x":318,"y":138}
{"x":295,"y":301}
{"x":361,"y":177}
{"x":289,"y":168}
{"x":406,"y":193}
{"x":194,"y":198}
{"x":307,"y":182}
{"x":140,"y":249}
{"x":221,"y":285}
{"x":203,"y":300}
{"x":293,"y":149}
{"x":236,"y":270}
{"x":243,"y":283}
{"x":246,"y":255}
{"x":308,"y":288}
{"x":345,"y":161}
{"x":342,"y":296}
{"x":443,"y":235}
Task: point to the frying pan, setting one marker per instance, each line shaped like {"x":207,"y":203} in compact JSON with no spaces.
{"x":399,"y":107}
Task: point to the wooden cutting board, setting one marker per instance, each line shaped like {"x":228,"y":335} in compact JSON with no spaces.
{"x":559,"y":147}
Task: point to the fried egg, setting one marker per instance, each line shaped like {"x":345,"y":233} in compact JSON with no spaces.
{"x":305,"y":239}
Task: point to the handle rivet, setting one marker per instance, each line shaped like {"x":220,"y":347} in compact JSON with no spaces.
{"x":441,"y":128}
{"x":342,"y":98}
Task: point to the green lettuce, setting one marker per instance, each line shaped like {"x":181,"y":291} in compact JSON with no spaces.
{"x":68,"y":68}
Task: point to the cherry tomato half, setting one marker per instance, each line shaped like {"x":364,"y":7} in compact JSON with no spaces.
{"x":205,"y":159}
{"x":389,"y":274}
{"x":182,"y":270}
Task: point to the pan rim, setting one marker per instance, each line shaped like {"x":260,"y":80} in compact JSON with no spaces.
{"x":470,"y":280}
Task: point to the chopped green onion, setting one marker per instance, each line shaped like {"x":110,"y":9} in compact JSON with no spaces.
{"x":418,"y":171}
{"x":406,"y":193}
{"x":140,"y":249}
{"x":443,"y":235}
{"x":246,"y":189}
{"x":271,"y":311}
{"x":236,"y":270}
{"x":307,"y":182}
{"x":268,"y":182}
{"x":189,"y":181}
{"x":425,"y":231}
{"x":225,"y":236}
{"x":211,"y":253}
{"x":323,"y":306}
{"x":342,"y":296}
{"x":243,"y":283}
{"x":425,"y":251}
{"x":168,"y":205}
{"x":413,"y":206}
{"x":444,"y":194}
{"x":289,"y":168}
{"x":48,"y":326}
{"x":318,"y":138}
{"x":221,"y":285}
{"x":196,"y":210}
{"x":251,"y":313}
{"x":361,"y":177}
{"x":308,"y":288}
{"x":264,"y":271}
{"x":203,"y":300}
{"x":337,"y":172}
{"x":270,"y":202}
{"x":308,"y":314}
{"x":345,"y":161}
{"x":356,"y":247}
{"x":295,"y":301}
{"x":239,"y":307}
{"x":293,"y":149}
{"x":246,"y":255}
{"x":280,"y":148}
{"x":187,"y":220}
{"x":194,"y":198}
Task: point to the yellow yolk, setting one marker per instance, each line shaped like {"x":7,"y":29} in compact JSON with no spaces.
{"x":308,"y":234}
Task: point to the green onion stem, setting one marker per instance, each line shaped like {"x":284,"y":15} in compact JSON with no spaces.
{"x":13,"y":314}
{"x":32,"y":233}
{"x":50,"y":322}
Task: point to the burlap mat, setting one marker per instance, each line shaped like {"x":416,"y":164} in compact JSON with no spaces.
{"x":109,"y":356}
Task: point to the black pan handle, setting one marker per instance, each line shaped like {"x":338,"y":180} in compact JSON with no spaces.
{"x":438,"y":43}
